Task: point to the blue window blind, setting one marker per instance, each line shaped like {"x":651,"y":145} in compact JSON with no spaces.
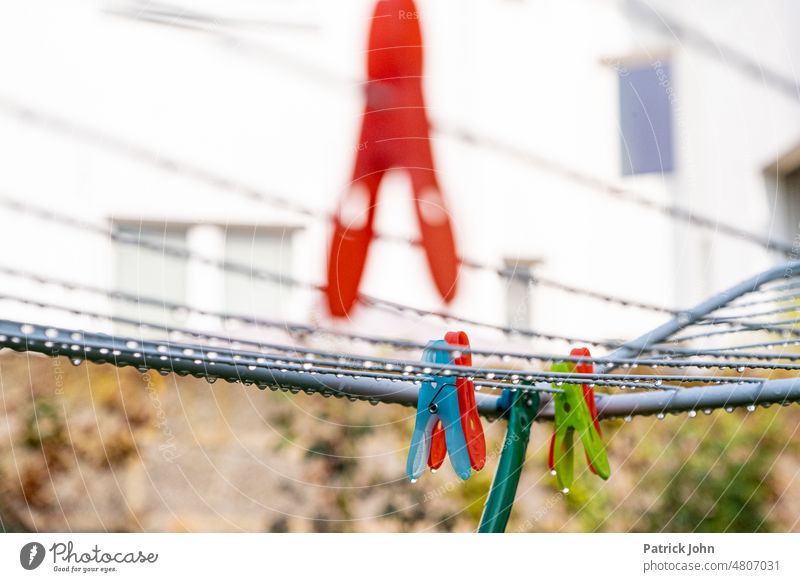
{"x":645,"y":113}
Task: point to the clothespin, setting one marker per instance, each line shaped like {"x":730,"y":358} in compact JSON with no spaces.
{"x":572,"y":414}
{"x":437,"y":401}
{"x":470,"y":420}
{"x":394,"y":134}
{"x":588,"y":394}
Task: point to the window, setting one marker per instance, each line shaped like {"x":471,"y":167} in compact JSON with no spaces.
{"x":519,"y":302}
{"x":148,"y":270}
{"x":264,"y":249}
{"x":783,"y":181}
{"x":145,"y":270}
{"x":645,"y":112}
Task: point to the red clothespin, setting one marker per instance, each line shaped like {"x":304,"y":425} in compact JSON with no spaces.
{"x":470,"y":420}
{"x":588,"y":396}
{"x":394,"y":135}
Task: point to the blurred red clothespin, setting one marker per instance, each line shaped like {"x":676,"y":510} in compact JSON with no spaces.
{"x":394,"y":135}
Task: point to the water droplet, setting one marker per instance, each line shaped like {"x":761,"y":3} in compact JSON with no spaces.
{"x":565,"y":490}
{"x":729,"y":409}
{"x":751,"y":407}
{"x":27,"y":329}
{"x":740,"y":369}
{"x":628,"y":418}
{"x":707,"y":411}
{"x":659,"y":382}
{"x":660,"y":416}
{"x":131,"y":344}
{"x":490,"y":376}
{"x":692,"y":413}
{"x":553,"y":472}
{"x":76,"y":361}
{"x":413,"y":481}
{"x":211,"y":379}
{"x":434,"y":470}
{"x":50,"y":332}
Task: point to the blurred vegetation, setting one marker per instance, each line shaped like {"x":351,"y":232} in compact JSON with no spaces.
{"x":96,"y":448}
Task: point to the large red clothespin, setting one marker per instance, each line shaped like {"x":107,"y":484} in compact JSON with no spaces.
{"x":470,"y":420}
{"x":394,"y":135}
{"x":588,"y":396}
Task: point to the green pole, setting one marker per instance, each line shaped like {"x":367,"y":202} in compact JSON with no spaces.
{"x":523,"y":410}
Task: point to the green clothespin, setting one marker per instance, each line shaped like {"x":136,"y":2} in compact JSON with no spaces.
{"x":523,"y":407}
{"x":572,"y":415}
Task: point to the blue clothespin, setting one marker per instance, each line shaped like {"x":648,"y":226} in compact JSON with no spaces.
{"x":438,"y":400}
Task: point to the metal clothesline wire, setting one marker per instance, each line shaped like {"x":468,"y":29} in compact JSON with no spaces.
{"x":278,"y":278}
{"x":181,"y":14}
{"x":636,"y":10}
{"x":688,"y":399}
{"x":732,"y":57}
{"x":304,"y":329}
{"x":396,"y":365}
{"x":399,"y":309}
{"x":153,"y":355}
{"x":665,"y":350}
{"x":83,"y":343}
{"x":776,"y":311}
{"x":564,"y":171}
{"x":282,"y":279}
{"x":144,"y":155}
{"x":768,"y":299}
{"x":745,"y":328}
